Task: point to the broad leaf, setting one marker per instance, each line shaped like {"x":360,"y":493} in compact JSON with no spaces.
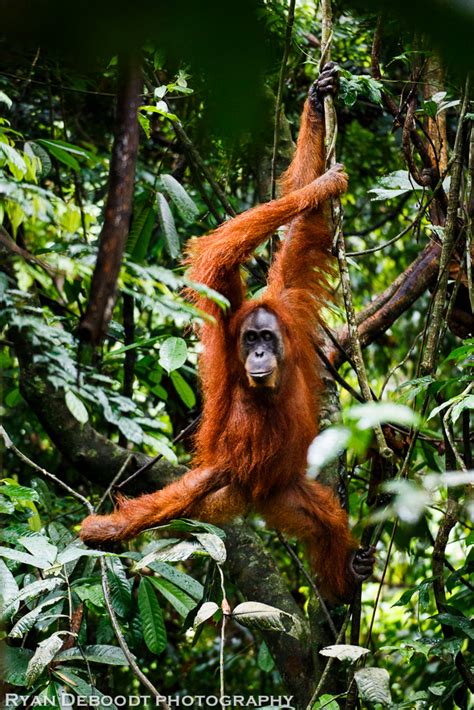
{"x":344,"y":652}
{"x":154,"y":631}
{"x":267,"y":618}
{"x":173,"y":354}
{"x":100,"y":653}
{"x":204,"y":613}
{"x":44,"y":654}
{"x":179,"y":599}
{"x":168,"y":227}
{"x":184,"y":204}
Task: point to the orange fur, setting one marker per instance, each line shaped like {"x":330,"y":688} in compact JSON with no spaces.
{"x":251,"y":446}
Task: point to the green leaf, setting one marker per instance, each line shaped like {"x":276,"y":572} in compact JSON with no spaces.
{"x":130,"y":429}
{"x":18,"y":494}
{"x":180,"y":579}
{"x":99,"y":653}
{"x":120,"y":585}
{"x":168,"y":226}
{"x":344,"y":652}
{"x":69,"y":148}
{"x":179,"y":599}
{"x":8,"y":592}
{"x":73,"y":552}
{"x":372,"y":414}
{"x":39,"y":545}
{"x":27,"y":621}
{"x":4,"y":99}
{"x":184,"y":204}
{"x":23,"y":557}
{"x":326,"y":447}
{"x":76,"y":407}
{"x":183,"y":389}
{"x":205,"y":612}
{"x":145,"y":124}
{"x":173,"y":354}
{"x":457,"y":622}
{"x":34,"y":149}
{"x":465,"y":403}
{"x":213,"y":545}
{"x":60,"y":154}
{"x":91,"y":593}
{"x":154,"y":631}
{"x":170,"y":550}
{"x":161,"y":108}
{"x":264,"y":659}
{"x":143,"y":220}
{"x":33,"y":590}
{"x":13,"y":664}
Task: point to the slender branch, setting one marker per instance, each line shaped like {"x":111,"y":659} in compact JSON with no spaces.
{"x":310,"y":581}
{"x":159,"y":698}
{"x":388,"y":217}
{"x":279,"y":96}
{"x":428,"y":361}
{"x":10,"y":445}
{"x":113,"y":482}
{"x":329,"y":664}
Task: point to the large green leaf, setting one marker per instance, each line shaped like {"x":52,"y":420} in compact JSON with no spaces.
{"x":183,"y":389}
{"x":184,"y":203}
{"x":173,"y":353}
{"x":154,"y":631}
{"x":168,"y":226}
{"x":180,"y":579}
{"x":99,"y":653}
{"x":181,"y":601}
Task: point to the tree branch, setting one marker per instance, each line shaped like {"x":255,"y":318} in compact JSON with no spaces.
{"x":118,"y":210}
{"x":380,"y":314}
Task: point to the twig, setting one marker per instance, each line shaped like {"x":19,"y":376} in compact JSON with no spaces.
{"x":470,"y":218}
{"x":398,"y":365}
{"x":278,"y":102}
{"x":328,"y":666}
{"x":226,"y":611}
{"x":401,"y":234}
{"x":149,"y":464}
{"x":160,"y":702}
{"x":10,"y":445}
{"x":310,"y":581}
{"x":334,"y":373}
{"x":113,"y":482}
{"x":428,"y":361}
{"x":379,"y":590}
{"x":388,"y":217}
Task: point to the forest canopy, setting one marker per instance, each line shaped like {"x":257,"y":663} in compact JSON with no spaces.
{"x":125,"y":132}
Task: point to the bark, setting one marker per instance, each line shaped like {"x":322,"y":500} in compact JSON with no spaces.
{"x":93,"y":327}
